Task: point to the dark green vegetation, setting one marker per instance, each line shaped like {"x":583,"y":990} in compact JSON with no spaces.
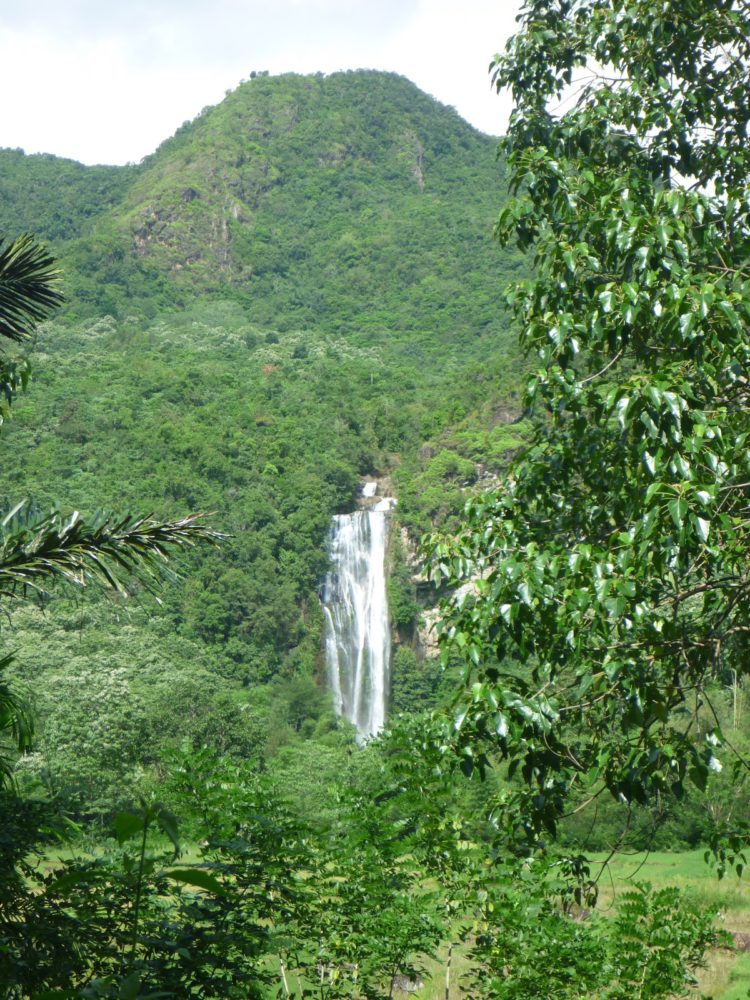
{"x":295,"y":292}
{"x":334,"y":306}
{"x":615,"y":563}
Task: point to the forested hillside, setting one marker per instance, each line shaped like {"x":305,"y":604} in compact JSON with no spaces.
{"x":300,"y":292}
{"x":296,"y":291}
{"x":350,"y":203}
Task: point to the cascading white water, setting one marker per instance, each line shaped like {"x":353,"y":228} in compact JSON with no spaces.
{"x":357,"y":635}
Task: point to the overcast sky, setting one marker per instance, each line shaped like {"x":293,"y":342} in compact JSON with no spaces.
{"x":105,"y":82}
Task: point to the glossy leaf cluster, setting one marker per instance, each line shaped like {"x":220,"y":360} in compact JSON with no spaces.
{"x":610,"y":586}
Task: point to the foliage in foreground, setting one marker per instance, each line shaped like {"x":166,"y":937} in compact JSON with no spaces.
{"x":274,"y":907}
{"x":610,"y":571}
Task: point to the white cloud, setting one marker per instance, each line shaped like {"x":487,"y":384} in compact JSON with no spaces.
{"x":89,"y":104}
{"x":446,"y":48}
{"x":107,"y":82}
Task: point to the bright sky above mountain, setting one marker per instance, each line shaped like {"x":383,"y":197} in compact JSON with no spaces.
{"x":106,"y":82}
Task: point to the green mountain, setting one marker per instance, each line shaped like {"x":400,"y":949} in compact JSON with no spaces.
{"x":56,"y":198}
{"x":351,"y":203}
{"x":297,"y":290}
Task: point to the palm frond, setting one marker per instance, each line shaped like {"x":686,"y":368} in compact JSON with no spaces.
{"x":16,"y":724}
{"x":29,"y":289}
{"x":112,"y":550}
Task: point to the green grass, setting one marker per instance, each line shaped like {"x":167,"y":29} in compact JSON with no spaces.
{"x":686,"y":870}
{"x":727,"y":976}
{"x":739,"y":979}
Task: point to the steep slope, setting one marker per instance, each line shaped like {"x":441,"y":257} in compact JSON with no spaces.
{"x":348,"y":203}
{"x":302,"y":290}
{"x":317,"y":195}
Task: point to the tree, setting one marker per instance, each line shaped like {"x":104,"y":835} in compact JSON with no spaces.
{"x":37,"y":548}
{"x":40,"y":547}
{"x":610,"y":581}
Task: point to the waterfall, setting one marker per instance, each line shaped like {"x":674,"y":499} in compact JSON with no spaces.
{"x":357,"y":634}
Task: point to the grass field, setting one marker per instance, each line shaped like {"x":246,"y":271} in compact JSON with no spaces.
{"x":727,"y":976}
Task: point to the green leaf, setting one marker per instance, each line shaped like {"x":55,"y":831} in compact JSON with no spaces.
{"x":130,"y":987}
{"x":127,"y":825}
{"x":678,"y":510}
{"x":649,"y":424}
{"x":501,"y":725}
{"x":702,"y":528}
{"x":687,"y":322}
{"x":68,"y":880}
{"x":29,"y":286}
{"x":198,"y":878}
{"x":167,"y":823}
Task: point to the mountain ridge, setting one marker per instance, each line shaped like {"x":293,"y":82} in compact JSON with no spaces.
{"x":303,"y":197}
